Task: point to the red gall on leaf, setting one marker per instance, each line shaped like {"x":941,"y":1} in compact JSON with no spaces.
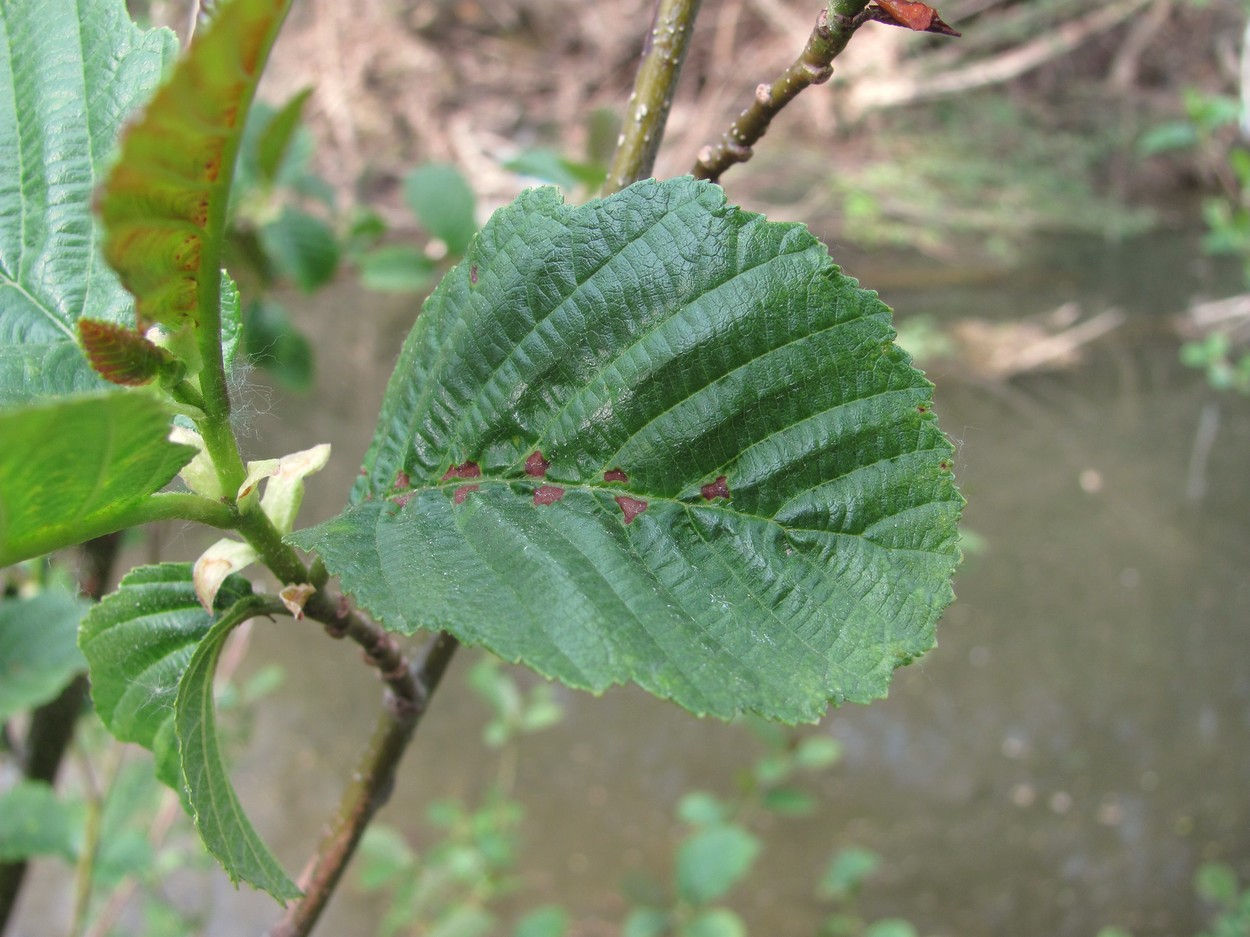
{"x":536,"y":466}
{"x":630,"y":507}
{"x":916,"y":16}
{"x":615,"y":475}
{"x":463,"y":492}
{"x":548,"y":494}
{"x":716,"y":489}
{"x":467,"y":470}
{"x":121,"y":355}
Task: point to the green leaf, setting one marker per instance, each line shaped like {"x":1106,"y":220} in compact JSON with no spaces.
{"x":444,"y":204}
{"x":799,"y":531}
{"x":645,"y":922}
{"x":273,"y":342}
{"x":70,"y":74}
{"x":38,"y":650}
{"x":716,"y":922}
{"x":302,"y":246}
{"x":219,"y":816}
{"x":699,"y":808}
{"x":34,"y":822}
{"x":396,"y":268}
{"x":816,"y":752}
{"x":275,"y":139}
{"x":712,"y":861}
{"x":846,"y":872}
{"x":80,"y":468}
{"x":788,"y":801}
{"x":891,"y":927}
{"x":547,"y":921}
{"x":164,"y":204}
{"x":138,"y":643}
{"x":1216,"y":882}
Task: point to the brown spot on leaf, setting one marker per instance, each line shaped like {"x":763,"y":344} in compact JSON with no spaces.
{"x":630,"y":507}
{"x":467,"y":470}
{"x":402,"y":499}
{"x":615,"y":475}
{"x":945,"y":465}
{"x":922,"y":408}
{"x":401,"y":479}
{"x":548,"y":494}
{"x":463,"y":492}
{"x":473,"y":274}
{"x":716,"y":489}
{"x":536,"y":465}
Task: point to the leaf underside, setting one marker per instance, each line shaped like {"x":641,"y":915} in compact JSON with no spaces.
{"x":657,"y":438}
{"x":164,"y":204}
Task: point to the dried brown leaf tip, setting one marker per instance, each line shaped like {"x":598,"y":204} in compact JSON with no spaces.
{"x":121,"y":355}
{"x":915,"y":16}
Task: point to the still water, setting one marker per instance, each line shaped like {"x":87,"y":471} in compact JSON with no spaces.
{"x":1076,"y":745}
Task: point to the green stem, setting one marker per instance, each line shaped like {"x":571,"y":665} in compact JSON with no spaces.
{"x":279,"y":557}
{"x":647,"y":113}
{"x":834,"y":28}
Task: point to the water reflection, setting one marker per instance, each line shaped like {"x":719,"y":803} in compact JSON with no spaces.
{"x":1076,"y":745}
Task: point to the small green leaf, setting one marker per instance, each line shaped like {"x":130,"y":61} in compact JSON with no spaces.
{"x":396,"y":268}
{"x":846,"y":872}
{"x":38,"y":650}
{"x":1216,"y":882}
{"x":788,"y":801}
{"x":80,"y":468}
{"x":302,"y":246}
{"x":657,"y":438}
{"x":645,"y":922}
{"x":816,"y":752}
{"x":548,"y":921}
{"x":699,"y":808}
{"x":444,"y":204}
{"x":164,"y":204}
{"x":272,"y":342}
{"x":712,"y":861}
{"x":35,"y":822}
{"x":275,"y":139}
{"x":219,"y":817}
{"x":138,"y":643}
{"x":891,"y":927}
{"x":716,"y":922}
{"x":464,"y":921}
{"x":70,"y":74}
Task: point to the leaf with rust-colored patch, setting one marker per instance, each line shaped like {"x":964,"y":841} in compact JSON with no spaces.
{"x":164,"y":204}
{"x":121,"y":355}
{"x":645,"y":355}
{"x":916,"y":16}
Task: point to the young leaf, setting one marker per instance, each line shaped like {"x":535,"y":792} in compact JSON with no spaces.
{"x":38,"y":653}
{"x":275,"y":139}
{"x":34,"y":822}
{"x":219,"y":816}
{"x":657,"y":438}
{"x":711,"y":861}
{"x":443,"y":202}
{"x":79,"y":468}
{"x":138,"y":643}
{"x":164,"y":205}
{"x":70,"y":73}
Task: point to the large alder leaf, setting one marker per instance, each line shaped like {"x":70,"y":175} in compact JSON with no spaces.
{"x":745,"y":502}
{"x":164,"y":204}
{"x":81,"y":467}
{"x":38,"y":652}
{"x":71,"y":71}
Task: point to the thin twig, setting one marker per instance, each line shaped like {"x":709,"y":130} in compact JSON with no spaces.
{"x":834,"y":27}
{"x":647,"y":113}
{"x":409,"y":688}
